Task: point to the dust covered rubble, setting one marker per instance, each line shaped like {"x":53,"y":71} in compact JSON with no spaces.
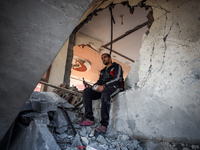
{"x":42,"y":110}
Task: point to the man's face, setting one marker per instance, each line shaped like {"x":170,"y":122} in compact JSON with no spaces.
{"x":105,"y":59}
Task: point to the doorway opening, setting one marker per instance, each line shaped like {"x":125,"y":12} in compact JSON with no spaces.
{"x":93,"y":39}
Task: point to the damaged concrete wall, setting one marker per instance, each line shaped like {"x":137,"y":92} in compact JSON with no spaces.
{"x":32,"y":33}
{"x":164,"y":99}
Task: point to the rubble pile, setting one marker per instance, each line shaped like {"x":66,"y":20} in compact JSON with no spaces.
{"x":42,"y":124}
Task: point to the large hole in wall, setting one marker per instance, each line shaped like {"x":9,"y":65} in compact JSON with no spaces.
{"x":94,"y":37}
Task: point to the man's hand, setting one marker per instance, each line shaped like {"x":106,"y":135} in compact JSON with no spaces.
{"x":100,"y":88}
{"x":86,"y":84}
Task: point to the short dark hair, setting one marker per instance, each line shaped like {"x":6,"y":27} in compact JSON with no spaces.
{"x":106,"y":54}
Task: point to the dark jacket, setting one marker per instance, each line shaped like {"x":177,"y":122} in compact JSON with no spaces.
{"x":111,"y":76}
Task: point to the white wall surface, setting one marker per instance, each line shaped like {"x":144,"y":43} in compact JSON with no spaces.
{"x":56,"y":76}
{"x":164,"y":99}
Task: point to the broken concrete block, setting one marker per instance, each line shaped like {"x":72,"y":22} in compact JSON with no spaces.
{"x":88,"y":129}
{"x":59,"y":119}
{"x":133,"y":145}
{"x":61,"y":136}
{"x":151,"y":145}
{"x":103,"y":147}
{"x":90,"y":148}
{"x":42,"y":105}
{"x":71,"y":115}
{"x":83,"y":132}
{"x":69,"y":136}
{"x":84,"y":141}
{"x":101,"y":139}
{"x":139,"y":148}
{"x":35,"y":136}
{"x":124,"y":148}
{"x":125,"y":137}
{"x":93,"y":138}
{"x":114,"y":144}
{"x":68,"y":148}
{"x":62,"y":129}
{"x":94,"y":145}
{"x":92,"y":133}
{"x":39,"y":118}
{"x":77,"y":126}
{"x":27,"y":107}
{"x":51,"y":96}
{"x":76,"y":141}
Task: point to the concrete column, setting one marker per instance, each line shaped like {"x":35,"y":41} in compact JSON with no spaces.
{"x":32,"y":33}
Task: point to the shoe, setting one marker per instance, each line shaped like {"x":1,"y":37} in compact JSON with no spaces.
{"x":86,"y":122}
{"x":101,"y":129}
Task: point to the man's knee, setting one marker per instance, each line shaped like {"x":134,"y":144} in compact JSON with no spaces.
{"x":105,"y":95}
{"x":87,"y":91}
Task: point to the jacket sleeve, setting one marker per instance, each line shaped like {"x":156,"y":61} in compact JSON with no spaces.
{"x":99,"y":82}
{"x":118,"y":77}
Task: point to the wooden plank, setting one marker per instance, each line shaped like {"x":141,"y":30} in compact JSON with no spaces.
{"x":74,"y":100}
{"x":78,"y":103}
{"x":69,"y":91}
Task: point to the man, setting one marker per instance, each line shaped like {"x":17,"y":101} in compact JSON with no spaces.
{"x":109,"y":84}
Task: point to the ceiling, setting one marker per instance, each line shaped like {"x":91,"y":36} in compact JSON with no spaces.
{"x":99,"y":28}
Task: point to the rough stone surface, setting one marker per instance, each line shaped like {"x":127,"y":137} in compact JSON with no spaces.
{"x":39,"y":118}
{"x":35,"y":136}
{"x":84,"y":141}
{"x":52,"y":98}
{"x":101,"y":139}
{"x":43,"y":105}
{"x":32,"y":34}
{"x":165,"y":104}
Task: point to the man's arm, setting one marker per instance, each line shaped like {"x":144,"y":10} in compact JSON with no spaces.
{"x":99,"y":82}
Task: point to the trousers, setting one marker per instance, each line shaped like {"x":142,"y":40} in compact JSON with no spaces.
{"x":89,"y":95}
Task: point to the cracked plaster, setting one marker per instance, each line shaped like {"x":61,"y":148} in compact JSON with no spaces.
{"x":162,"y":96}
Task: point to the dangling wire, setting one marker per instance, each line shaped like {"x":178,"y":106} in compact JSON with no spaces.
{"x":112,"y":21}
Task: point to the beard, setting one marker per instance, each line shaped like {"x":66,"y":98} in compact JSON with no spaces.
{"x":106,"y":63}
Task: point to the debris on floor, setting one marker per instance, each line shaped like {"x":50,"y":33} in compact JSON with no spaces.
{"x":42,"y":124}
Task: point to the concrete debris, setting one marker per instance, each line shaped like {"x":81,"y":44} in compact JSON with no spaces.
{"x":133,"y":145}
{"x":59,"y":119}
{"x":90,"y":148}
{"x":83,"y":132}
{"x":124,"y":148}
{"x":45,"y":127}
{"x":61,"y":129}
{"x":51,"y":97}
{"x":89,"y":130}
{"x":84,"y":141}
{"x":40,"y":118}
{"x":42,"y":105}
{"x":91,"y":133}
{"x":125,"y":137}
{"x":35,"y":136}
{"x":151,"y":145}
{"x":101,"y":139}
{"x":139,"y":148}
{"x":27,"y":106}
{"x":76,"y":141}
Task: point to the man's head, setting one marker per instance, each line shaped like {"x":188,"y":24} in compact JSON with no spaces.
{"x":106,"y":59}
